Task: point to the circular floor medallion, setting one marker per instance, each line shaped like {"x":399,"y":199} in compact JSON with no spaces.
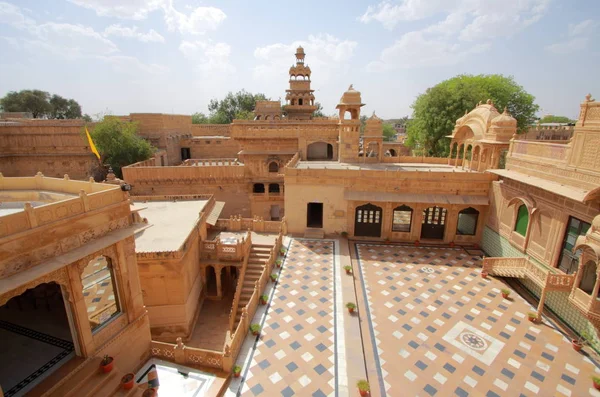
{"x":473,"y":341}
{"x":427,"y":269}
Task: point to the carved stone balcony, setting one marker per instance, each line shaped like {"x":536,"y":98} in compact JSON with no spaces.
{"x":546,"y":278}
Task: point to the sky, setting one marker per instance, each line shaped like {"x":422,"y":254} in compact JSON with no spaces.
{"x":173,"y":56}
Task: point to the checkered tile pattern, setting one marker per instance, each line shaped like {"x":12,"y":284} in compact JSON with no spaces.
{"x":295,"y":354}
{"x":442,"y":330}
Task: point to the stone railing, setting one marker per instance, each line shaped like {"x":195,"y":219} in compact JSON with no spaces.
{"x":293,"y":161}
{"x":552,"y":152}
{"x":145,"y":163}
{"x":91,"y":196}
{"x":256,"y":224}
{"x":215,"y":249}
{"x":233,"y":342}
{"x":140,"y":177}
{"x":210,"y":129}
{"x":185,"y":355}
{"x":545,"y":277}
{"x":238,"y":292}
{"x":210,"y":162}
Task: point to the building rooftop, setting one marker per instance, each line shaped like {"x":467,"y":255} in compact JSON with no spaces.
{"x":172,"y":222}
{"x":334,"y":165}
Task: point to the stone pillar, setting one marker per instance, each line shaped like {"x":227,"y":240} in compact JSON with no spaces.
{"x":79,"y":310}
{"x":464,"y":159}
{"x":457,"y":154}
{"x":179,"y":352}
{"x":540,"y":307}
{"x":218,"y":278}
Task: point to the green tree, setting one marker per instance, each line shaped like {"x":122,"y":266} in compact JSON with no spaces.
{"x":319,"y":111}
{"x":40,"y":104}
{"x":556,"y":119}
{"x":63,"y":108}
{"x":118,"y":143}
{"x":388,"y":132}
{"x":435,"y":112}
{"x":86,"y":117}
{"x":363,"y":124}
{"x":225,"y":110}
{"x":199,"y":118}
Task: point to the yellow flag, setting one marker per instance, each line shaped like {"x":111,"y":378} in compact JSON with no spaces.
{"x":92,"y":146}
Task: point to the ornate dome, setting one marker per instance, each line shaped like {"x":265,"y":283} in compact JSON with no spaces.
{"x":351,"y":97}
{"x":374,"y":119}
{"x":504,"y":120}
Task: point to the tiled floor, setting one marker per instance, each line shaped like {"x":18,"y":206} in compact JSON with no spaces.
{"x":295,"y":354}
{"x":442,"y":330}
{"x":431,"y":326}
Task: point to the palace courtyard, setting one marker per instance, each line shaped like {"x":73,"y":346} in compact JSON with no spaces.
{"x":427,"y":324}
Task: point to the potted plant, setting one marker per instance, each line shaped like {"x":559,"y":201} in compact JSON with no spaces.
{"x":484,"y":274}
{"x":255,"y":329}
{"x":273,"y":277}
{"x":596,"y":381}
{"x":451,"y":244}
{"x":387,"y":240}
{"x":348,"y":269}
{"x":237,"y":370}
{"x":532,"y":316}
{"x":351,"y":306}
{"x":282,"y":251}
{"x":278,"y":262}
{"x":580,"y":341}
{"x":127,"y":381}
{"x":344,"y":234}
{"x":264,"y":299}
{"x":505,"y":292}
{"x":363,"y":387}
{"x":150,"y":393}
{"x":417,"y":243}
{"x":106,"y":364}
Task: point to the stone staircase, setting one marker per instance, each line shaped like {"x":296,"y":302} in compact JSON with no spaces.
{"x":90,"y":381}
{"x":259,"y":254}
{"x":314,"y":233}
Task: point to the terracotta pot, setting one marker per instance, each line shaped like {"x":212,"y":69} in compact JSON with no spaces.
{"x":596,"y":385}
{"x":416,"y":243}
{"x":452,"y":244}
{"x":150,"y":393}
{"x":263,"y":302}
{"x":576,"y":345}
{"x":363,"y":393}
{"x":532,"y":319}
{"x":484,"y":274}
{"x":255,"y":333}
{"x":505,"y":296}
{"x":350,"y":310}
{"x":108,"y":367}
{"x":236,"y":374}
{"x":127,"y":381}
{"x":347,"y":271}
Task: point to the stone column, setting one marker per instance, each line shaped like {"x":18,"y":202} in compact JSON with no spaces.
{"x":457,"y":154}
{"x":540,"y":307}
{"x":79,"y":310}
{"x":218,"y":277}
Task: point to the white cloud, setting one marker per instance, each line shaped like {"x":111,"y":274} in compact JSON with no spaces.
{"x":74,"y":40}
{"x":12,"y":15}
{"x":579,"y":37}
{"x":211,"y":57}
{"x":122,"y":31}
{"x":125,"y":9}
{"x":415,"y":49}
{"x":325,"y":53}
{"x":449,"y":41}
{"x":583,"y":28}
{"x":132,"y":65}
{"x":489,"y":18}
{"x":199,"y":21}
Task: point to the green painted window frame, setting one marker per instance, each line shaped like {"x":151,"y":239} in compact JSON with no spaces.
{"x":522,"y":220}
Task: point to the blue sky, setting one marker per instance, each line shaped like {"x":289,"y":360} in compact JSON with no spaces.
{"x":173,"y":56}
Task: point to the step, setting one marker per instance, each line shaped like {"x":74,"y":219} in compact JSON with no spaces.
{"x":314,"y":233}
{"x":269,"y":246}
{"x":257,"y":262}
{"x":264,"y":255}
{"x":81,"y":377}
{"x":106,"y":385}
{"x":136,"y":390}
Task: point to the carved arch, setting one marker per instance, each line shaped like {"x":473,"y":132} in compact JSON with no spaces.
{"x":59,"y":276}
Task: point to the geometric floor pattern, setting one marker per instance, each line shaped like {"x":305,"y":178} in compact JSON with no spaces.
{"x":440,"y":329}
{"x":295,"y":354}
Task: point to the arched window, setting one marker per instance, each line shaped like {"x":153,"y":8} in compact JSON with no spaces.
{"x":257,"y":117}
{"x":402,"y":219}
{"x":300,"y":101}
{"x":273,"y":166}
{"x":258,"y":188}
{"x":273,"y":187}
{"x":100,"y":291}
{"x":467,"y":222}
{"x":522,"y":220}
{"x":588,"y":277}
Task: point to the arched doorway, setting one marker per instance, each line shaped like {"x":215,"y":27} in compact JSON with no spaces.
{"x":367,"y":221}
{"x":319,"y":151}
{"x":588,"y":277}
{"x":434,"y":223}
{"x":211,"y":281}
{"x":35,"y":338}
{"x":273,"y":166}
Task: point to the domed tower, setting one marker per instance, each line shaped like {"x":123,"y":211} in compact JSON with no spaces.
{"x":300,"y":99}
{"x":351,"y":103}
